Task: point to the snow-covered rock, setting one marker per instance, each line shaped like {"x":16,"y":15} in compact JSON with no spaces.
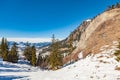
{"x":88,"y":20}
{"x":80,"y":55}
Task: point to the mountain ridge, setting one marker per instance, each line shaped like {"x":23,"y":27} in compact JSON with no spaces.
{"x":90,"y":40}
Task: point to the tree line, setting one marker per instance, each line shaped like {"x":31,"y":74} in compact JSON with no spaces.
{"x":11,"y":54}
{"x":113,"y":6}
{"x":8,"y":55}
{"x":52,"y":61}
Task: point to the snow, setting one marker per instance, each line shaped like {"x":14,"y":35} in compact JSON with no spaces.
{"x":31,"y":40}
{"x":80,"y":55}
{"x":94,"y":67}
{"x":88,"y":20}
{"x":45,"y":54}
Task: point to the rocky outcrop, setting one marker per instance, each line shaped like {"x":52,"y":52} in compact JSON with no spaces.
{"x":76,"y":34}
{"x":102,"y":30}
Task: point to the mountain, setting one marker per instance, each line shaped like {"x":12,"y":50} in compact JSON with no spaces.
{"x":31,"y":40}
{"x":21,"y":46}
{"x":102,"y":30}
{"x":95,"y":42}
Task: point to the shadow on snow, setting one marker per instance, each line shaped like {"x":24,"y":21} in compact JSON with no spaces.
{"x":12,"y":77}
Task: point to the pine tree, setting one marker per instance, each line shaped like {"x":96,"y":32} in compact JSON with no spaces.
{"x":58,"y":54}
{"x":113,"y":6}
{"x":70,"y":45}
{"x":53,"y":38}
{"x":30,"y":54}
{"x":33,"y":60}
{"x":117,"y":5}
{"x":27,"y":52}
{"x":55,"y":58}
{"x":2,"y":46}
{"x":117,"y":52}
{"x":4,"y":49}
{"x":0,"y":52}
{"x":13,"y":57}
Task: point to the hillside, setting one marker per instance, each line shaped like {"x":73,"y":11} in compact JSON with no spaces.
{"x":34,"y":46}
{"x":102,"y":30}
{"x":94,"y":67}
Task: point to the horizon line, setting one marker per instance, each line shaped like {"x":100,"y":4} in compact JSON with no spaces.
{"x":28,"y":39}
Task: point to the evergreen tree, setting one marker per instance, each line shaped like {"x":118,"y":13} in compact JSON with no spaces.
{"x":55,"y":59}
{"x":113,"y":6}
{"x":53,"y":38}
{"x":70,"y":45}
{"x":27,"y":52}
{"x":30,"y":54}
{"x":2,"y":46}
{"x":117,"y":5}
{"x":0,"y":52}
{"x":13,"y":57}
{"x":33,"y":60}
{"x":117,"y":52}
{"x":4,"y":49}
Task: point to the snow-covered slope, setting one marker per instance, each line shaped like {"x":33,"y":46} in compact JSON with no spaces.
{"x":94,"y":67}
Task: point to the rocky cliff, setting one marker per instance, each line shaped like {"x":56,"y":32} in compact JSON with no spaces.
{"x":102,"y":30}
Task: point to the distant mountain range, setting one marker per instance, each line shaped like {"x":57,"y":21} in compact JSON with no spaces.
{"x":31,"y":40}
{"x":22,"y":45}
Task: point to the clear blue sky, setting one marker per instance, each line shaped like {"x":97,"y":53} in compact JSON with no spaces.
{"x":42,"y":18}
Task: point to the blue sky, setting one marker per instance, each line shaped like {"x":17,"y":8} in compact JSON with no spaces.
{"x":42,"y":18}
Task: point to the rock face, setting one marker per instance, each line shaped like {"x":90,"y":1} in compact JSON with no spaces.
{"x":77,"y":33}
{"x":102,"y":30}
